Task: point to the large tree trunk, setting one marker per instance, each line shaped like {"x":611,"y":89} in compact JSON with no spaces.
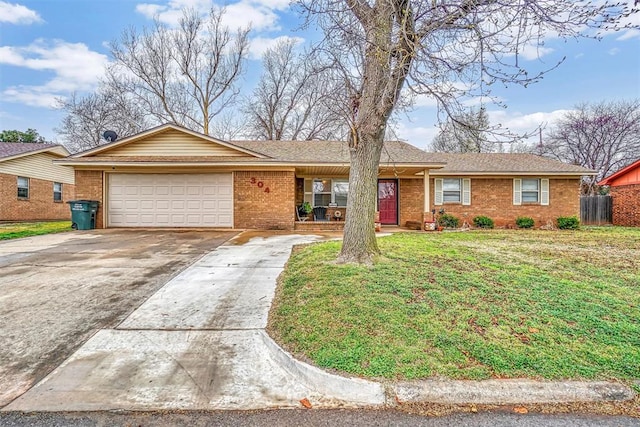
{"x":386,"y":66}
{"x":359,"y":243}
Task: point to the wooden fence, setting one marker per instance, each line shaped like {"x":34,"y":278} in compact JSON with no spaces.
{"x":596,"y":210}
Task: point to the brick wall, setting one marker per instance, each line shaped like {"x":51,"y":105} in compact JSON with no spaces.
{"x":39,"y":206}
{"x":256,"y":208}
{"x":493,"y":197}
{"x":626,"y":205}
{"x":89,"y":187}
{"x":411,"y":204}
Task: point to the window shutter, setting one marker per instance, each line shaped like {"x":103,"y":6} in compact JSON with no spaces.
{"x":517,"y":191}
{"x":438,"y":192}
{"x":544,"y":192}
{"x":466,"y":191}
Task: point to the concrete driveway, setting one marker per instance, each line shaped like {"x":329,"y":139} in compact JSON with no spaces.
{"x":199,"y":342}
{"x":57,"y":290}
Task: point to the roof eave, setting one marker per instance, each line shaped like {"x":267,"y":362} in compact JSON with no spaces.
{"x":623,"y":171}
{"x":31,"y":153}
{"x":513,"y":173}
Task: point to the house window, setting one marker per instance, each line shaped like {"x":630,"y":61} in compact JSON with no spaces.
{"x":531,"y":191}
{"x":23,"y":187}
{"x":451,"y":190}
{"x":57,"y":192}
{"x":325,"y":192}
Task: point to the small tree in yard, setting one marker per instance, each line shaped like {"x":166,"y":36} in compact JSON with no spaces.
{"x":604,"y":137}
{"x":440,"y":48}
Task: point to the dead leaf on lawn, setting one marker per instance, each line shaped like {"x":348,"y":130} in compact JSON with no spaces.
{"x":305,"y":402}
{"x":534,"y":330}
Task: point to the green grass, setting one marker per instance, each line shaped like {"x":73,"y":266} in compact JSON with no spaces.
{"x":26,"y":229}
{"x":472,"y":305}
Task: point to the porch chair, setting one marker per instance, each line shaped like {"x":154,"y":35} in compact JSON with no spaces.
{"x":320,"y":214}
{"x":301,"y":218}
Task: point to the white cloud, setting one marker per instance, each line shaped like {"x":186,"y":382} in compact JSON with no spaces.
{"x":629,"y":34}
{"x":260,"y":17}
{"x":519,"y":123}
{"x":631,"y":20}
{"x":259,"y":45}
{"x":419,"y":136}
{"x":531,"y":52}
{"x":613,"y":51}
{"x":260,"y":14}
{"x":17,"y":14}
{"x":171,"y":13}
{"x":73,"y":65}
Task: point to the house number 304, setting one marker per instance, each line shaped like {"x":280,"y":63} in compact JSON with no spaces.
{"x":259,"y":184}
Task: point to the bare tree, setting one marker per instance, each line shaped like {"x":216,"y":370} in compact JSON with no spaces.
{"x":292,"y":100}
{"x":464,"y":134}
{"x":442,"y":48}
{"x":88,"y":117}
{"x":185,"y":75}
{"x":604,"y":137}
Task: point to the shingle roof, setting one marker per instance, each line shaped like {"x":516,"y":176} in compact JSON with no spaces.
{"x":10,"y":149}
{"x":502,"y":163}
{"x":332,"y":151}
{"x":401,"y":152}
{"x":337,"y":153}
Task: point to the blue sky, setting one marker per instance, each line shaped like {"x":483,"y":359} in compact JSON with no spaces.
{"x":51,"y":48}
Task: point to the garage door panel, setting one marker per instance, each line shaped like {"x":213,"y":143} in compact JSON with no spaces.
{"x":194,"y":191}
{"x":225,"y":204}
{"x":170,"y":200}
{"x":162,"y":204}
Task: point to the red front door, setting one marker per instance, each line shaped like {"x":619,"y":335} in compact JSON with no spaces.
{"x":388,"y":201}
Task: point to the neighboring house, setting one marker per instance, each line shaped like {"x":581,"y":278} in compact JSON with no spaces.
{"x":32,"y":187}
{"x":169,"y":176}
{"x":625,"y":193}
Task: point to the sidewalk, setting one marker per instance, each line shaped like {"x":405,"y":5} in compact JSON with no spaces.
{"x":200,"y":343}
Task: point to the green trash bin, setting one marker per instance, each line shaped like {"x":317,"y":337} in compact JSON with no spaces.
{"x":83,"y":214}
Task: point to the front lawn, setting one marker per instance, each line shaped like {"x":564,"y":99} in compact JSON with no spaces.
{"x":15,"y":230}
{"x":469,"y":305}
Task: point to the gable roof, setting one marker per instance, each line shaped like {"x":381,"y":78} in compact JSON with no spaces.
{"x":13,"y":150}
{"x":624,"y":171}
{"x":105,"y":148}
{"x":311,"y":155}
{"x":504,"y":164}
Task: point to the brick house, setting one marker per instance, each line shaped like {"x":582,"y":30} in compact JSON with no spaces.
{"x":625,"y":193}
{"x":169,"y":176}
{"x":32,"y":186}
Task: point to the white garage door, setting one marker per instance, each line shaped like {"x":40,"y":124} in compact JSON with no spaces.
{"x":170,"y":200}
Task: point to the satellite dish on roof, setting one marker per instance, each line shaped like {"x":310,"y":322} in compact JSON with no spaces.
{"x":110,"y":135}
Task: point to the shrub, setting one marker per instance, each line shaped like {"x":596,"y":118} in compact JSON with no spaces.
{"x":483,"y":222}
{"x":568,"y":222}
{"x":525,"y":222}
{"x":448,"y":221}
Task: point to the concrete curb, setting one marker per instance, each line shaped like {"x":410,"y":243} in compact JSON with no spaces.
{"x":511,"y":391}
{"x":360,"y":392}
{"x":347,"y":391}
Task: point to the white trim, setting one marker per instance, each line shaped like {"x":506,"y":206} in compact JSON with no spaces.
{"x":517,"y":191}
{"x":427,"y":190}
{"x":438,"y":196}
{"x":544,"y":192}
{"x":466,"y":191}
